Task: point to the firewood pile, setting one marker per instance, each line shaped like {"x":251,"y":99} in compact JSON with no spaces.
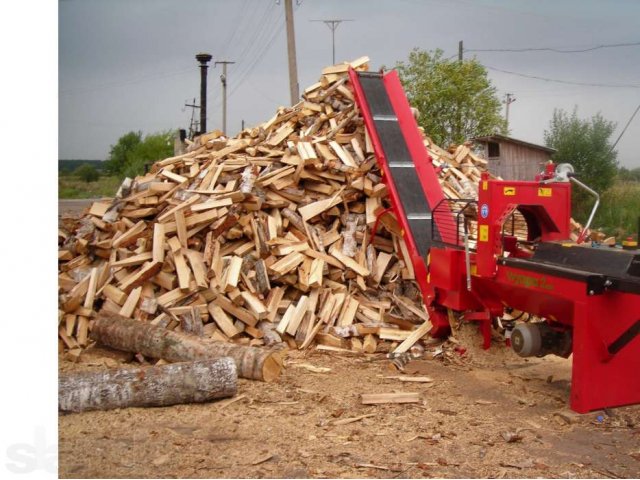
{"x":258,"y":239}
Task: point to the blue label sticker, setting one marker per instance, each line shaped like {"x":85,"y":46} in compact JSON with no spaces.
{"x":484,"y":210}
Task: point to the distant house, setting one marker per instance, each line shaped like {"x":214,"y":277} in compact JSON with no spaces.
{"x":514,"y":159}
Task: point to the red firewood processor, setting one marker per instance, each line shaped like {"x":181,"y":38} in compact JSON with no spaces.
{"x":587,"y":298}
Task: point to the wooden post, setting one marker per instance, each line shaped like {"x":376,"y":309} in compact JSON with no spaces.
{"x":156,"y":386}
{"x":291,"y":53}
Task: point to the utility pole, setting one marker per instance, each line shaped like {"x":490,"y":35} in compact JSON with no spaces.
{"x":223,"y":79}
{"x":458,"y":105}
{"x":333,"y":24}
{"x":291,"y":52}
{"x":508,"y":101}
{"x":203,"y":58}
{"x":193,"y":124}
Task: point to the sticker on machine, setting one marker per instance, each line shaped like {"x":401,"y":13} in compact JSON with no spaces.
{"x":484,"y":210}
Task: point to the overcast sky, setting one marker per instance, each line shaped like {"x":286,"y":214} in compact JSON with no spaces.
{"x":129,"y":64}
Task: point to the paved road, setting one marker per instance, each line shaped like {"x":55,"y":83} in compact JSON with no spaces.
{"x":74,"y":207}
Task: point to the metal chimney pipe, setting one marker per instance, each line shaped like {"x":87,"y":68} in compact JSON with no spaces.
{"x":203,"y":58}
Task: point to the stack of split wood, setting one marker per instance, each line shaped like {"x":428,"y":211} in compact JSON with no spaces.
{"x":257,"y":239}
{"x":590,"y":235}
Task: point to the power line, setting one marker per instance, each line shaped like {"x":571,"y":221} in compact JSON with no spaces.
{"x":567,"y":82}
{"x":263,"y":94}
{"x":624,"y":129}
{"x":260,"y":54}
{"x":553,"y":49}
{"x":548,"y":49}
{"x":236,"y":26}
{"x":258,"y":31}
{"x":262,"y":40}
{"x":258,"y":39}
{"x":258,"y":25}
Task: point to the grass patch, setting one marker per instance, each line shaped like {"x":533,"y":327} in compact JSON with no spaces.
{"x":70,"y":186}
{"x":619,"y":210}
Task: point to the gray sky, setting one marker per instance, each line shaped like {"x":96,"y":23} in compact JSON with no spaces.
{"x":129,"y":64}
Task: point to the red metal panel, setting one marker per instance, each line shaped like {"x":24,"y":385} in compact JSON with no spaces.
{"x":549,"y":203}
{"x":532,"y":292}
{"x":599,"y":379}
{"x":446,"y":268}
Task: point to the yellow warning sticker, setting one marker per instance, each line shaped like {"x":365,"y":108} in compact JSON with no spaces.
{"x":485,"y":185}
{"x":544,"y":192}
{"x":484,"y":233}
{"x":509,"y":191}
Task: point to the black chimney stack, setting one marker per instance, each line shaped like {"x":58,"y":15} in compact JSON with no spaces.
{"x":203,"y":58}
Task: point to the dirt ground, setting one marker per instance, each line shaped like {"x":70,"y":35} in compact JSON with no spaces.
{"x":484,"y":414}
{"x":488,"y":414}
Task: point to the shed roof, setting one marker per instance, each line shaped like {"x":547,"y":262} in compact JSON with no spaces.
{"x":502,"y":138}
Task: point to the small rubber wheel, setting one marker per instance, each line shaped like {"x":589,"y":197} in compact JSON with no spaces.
{"x":526,"y":339}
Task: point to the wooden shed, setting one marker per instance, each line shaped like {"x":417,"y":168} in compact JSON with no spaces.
{"x":513,"y":159}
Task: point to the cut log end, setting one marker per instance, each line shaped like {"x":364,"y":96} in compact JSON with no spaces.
{"x":272,"y":367}
{"x":156,"y":342}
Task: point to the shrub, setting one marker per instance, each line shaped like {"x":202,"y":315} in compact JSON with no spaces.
{"x":87,"y":173}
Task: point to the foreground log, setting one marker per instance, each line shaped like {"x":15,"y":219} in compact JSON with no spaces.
{"x":156,"y":342}
{"x":157,"y":386}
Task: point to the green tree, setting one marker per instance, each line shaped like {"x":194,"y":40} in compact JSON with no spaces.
{"x":584,"y":143}
{"x":626,"y":175}
{"x":456,"y":100}
{"x":130,"y":154}
{"x":87,"y":173}
{"x":121,"y":152}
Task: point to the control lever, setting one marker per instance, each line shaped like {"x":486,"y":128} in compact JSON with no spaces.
{"x":593,"y":210}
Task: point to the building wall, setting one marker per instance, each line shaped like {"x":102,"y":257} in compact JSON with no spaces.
{"x":517,"y":162}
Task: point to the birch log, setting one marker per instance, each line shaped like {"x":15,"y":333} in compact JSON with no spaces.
{"x":152,"y":341}
{"x":157,"y":386}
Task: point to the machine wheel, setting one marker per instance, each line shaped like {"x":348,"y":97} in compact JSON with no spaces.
{"x":526,"y":339}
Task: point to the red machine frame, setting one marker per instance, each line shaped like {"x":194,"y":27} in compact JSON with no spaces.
{"x":426,"y":174}
{"x":604,"y":324}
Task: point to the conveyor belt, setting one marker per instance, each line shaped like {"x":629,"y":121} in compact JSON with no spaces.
{"x":399,"y":160}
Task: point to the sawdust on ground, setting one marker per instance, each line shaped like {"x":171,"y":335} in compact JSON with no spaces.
{"x":485,"y":414}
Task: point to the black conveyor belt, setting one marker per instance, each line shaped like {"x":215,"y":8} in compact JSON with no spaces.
{"x":405,"y":177}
